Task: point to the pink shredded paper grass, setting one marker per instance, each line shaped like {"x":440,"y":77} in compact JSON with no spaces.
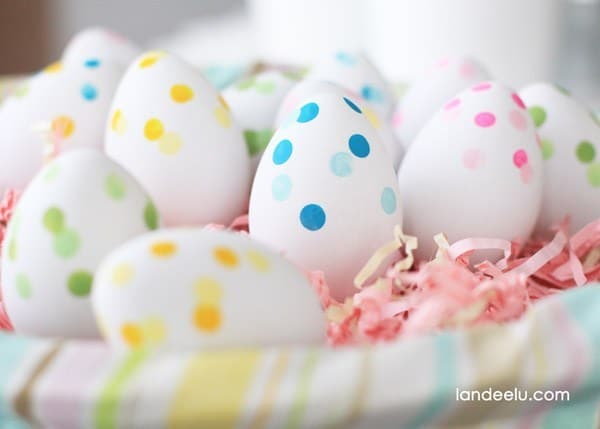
{"x":7,"y":204}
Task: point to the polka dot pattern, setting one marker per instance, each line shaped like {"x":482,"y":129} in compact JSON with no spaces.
{"x":345,"y":58}
{"x":359,"y":146}
{"x":114,"y":187}
{"x":371,"y":94}
{"x":170,"y":143}
{"x":151,"y":216}
{"x":547,"y":149}
{"x":23,"y":285}
{"x":586,"y":152}
{"x":258,"y":261}
{"x":312,"y":217}
{"x":150,"y":59}
{"x":163,"y":249}
{"x":208,"y":317}
{"x":63,"y":127}
{"x":593,"y":175}
{"x":283,"y":152}
{"x":154,"y":129}
{"x":54,"y":220}
{"x":54,"y":67}
{"x":91,"y":63}
{"x":518,"y":120}
{"x":118,"y":123}
{"x":538,"y":114}
{"x":372,"y":118}
{"x":122,"y":274}
{"x":388,"y":201}
{"x":518,"y":101}
{"x":281,"y":187}
{"x":66,"y":243}
{"x":181,"y":93}
{"x":485,"y":119}
{"x":480,"y":87}
{"x":80,"y":283}
{"x":352,"y":105}
{"x":226,"y":257}
{"x":340,"y":164}
{"x":308,"y":112}
{"x":89,"y":92}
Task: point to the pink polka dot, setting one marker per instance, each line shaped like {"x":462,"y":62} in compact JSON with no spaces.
{"x":520,"y":158}
{"x":467,"y":70}
{"x":485,"y":119}
{"x":397,"y":119}
{"x":452,"y":104}
{"x":518,"y":101}
{"x":473,"y":159}
{"x":482,"y":87}
{"x":526,"y":173}
{"x":518,"y":120}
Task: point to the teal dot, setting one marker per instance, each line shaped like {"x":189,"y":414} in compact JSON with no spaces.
{"x":371,"y":94}
{"x":23,"y":286}
{"x":345,"y":58}
{"x":282,"y":152}
{"x":151,"y":216}
{"x":114,"y":187}
{"x":388,"y":201}
{"x":80,"y":283}
{"x":341,"y":164}
{"x":89,"y":92}
{"x":308,"y":112}
{"x":312,"y":217}
{"x":359,"y":146}
{"x":281,"y":187}
{"x":66,"y":243}
{"x":92,"y":63}
{"x":352,"y":105}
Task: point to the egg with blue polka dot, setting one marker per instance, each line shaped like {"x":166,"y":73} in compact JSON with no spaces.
{"x":77,"y":208}
{"x":176,"y":134}
{"x":355,"y":72}
{"x":325,"y":192}
{"x":178,"y":290}
{"x":62,"y":107}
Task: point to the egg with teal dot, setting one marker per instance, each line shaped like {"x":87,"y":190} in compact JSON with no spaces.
{"x":94,"y":45}
{"x":76,"y":209}
{"x":326,"y":182}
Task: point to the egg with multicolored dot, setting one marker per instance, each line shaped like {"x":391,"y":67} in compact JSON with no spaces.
{"x":76,"y":210}
{"x":63,"y":107}
{"x":254,"y":102}
{"x":174,"y":132}
{"x":195,"y":289}
{"x":95,"y":45}
{"x":355,"y":72}
{"x":428,"y":93}
{"x":474,"y":171}
{"x":570,"y":140}
{"x":325,"y":193}
{"x":307,"y":88}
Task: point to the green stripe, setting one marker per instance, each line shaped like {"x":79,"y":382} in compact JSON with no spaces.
{"x":107,"y":409}
{"x":301,"y":397}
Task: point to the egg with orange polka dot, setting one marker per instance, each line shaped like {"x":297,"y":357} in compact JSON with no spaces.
{"x":62,"y":107}
{"x":174,"y":132}
{"x":474,"y":171}
{"x":195,"y":289}
{"x":77,"y":209}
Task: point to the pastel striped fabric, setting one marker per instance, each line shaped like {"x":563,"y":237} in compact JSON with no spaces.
{"x":408,"y":384}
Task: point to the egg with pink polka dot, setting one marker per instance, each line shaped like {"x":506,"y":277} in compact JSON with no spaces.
{"x":62,"y":107}
{"x":77,"y":209}
{"x":175,"y":133}
{"x":570,"y":142}
{"x":309,"y":87}
{"x":325,"y":192}
{"x":474,"y":171}
{"x":436,"y":86}
{"x":199,"y":289}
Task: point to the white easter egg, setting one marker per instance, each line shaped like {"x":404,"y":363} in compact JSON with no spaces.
{"x":355,"y":72}
{"x":97,"y":44}
{"x":174,"y":132}
{"x":63,"y":107}
{"x":77,"y":209}
{"x":475,"y":170}
{"x":570,"y":138}
{"x":325,"y":193}
{"x":195,"y":289}
{"x":426,"y":95}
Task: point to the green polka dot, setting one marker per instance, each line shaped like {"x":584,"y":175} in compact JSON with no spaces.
{"x":246,"y":84}
{"x":66,"y":243}
{"x":54,"y":220}
{"x":547,"y":149}
{"x":23,"y":286}
{"x":151,"y":216}
{"x":266,"y":87}
{"x":51,"y":173}
{"x":538,"y":114}
{"x":586,"y":152}
{"x":80,"y":283}
{"x":593,"y":175}
{"x":115,"y":187}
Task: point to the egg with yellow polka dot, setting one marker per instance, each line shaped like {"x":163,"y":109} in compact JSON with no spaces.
{"x":174,"y":132}
{"x":76,"y":210}
{"x":62,"y":107}
{"x":96,"y":44}
{"x":194,"y":289}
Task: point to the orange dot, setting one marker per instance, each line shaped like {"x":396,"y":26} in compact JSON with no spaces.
{"x":63,"y":126}
{"x":226,"y":257}
{"x":132,"y":335}
{"x":163,"y":249}
{"x":54,"y":67}
{"x":181,"y":93}
{"x":207,"y":318}
{"x":154,"y":129}
{"x":150,"y":59}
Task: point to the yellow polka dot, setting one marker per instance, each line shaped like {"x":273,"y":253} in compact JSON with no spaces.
{"x":258,"y":261}
{"x":226,"y":257}
{"x":118,"y":122}
{"x":54,"y":67}
{"x":181,"y":93}
{"x":372,"y":117}
{"x":63,"y":126}
{"x":223,"y":103}
{"x":154,"y":129}
{"x":150,"y":59}
{"x":154,"y":330}
{"x":207,"y":318}
{"x":223,"y":116}
{"x":163,"y":249}
{"x":208,"y":290}
{"x":132,"y":335}
{"x":170,"y":143}
{"x":122,"y":274}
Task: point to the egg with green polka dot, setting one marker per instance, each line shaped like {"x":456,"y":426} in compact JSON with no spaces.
{"x":77,"y":209}
{"x":569,"y":135}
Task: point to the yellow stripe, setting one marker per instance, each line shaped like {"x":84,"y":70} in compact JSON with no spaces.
{"x":213,"y":390}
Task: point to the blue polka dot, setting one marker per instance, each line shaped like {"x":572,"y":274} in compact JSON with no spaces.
{"x":312,"y":217}
{"x":388,"y":200}
{"x":352,"y":105}
{"x":92,"y":63}
{"x":341,"y":164}
{"x":371,"y":94}
{"x":359,"y":146}
{"x":89,"y":92}
{"x":282,"y":152}
{"x":308,"y":112}
{"x":281,"y":187}
{"x":345,"y":58}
